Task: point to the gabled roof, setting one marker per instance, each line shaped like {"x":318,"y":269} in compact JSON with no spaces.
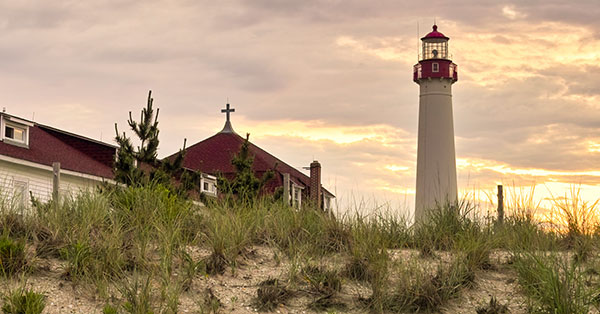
{"x":76,"y":153}
{"x":213,"y":155}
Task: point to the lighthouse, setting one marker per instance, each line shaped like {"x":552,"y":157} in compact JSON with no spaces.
{"x":436,"y":158}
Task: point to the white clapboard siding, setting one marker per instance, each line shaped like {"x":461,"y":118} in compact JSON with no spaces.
{"x":16,"y":178}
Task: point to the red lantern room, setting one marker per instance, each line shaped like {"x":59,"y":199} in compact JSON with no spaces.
{"x":434,"y":60}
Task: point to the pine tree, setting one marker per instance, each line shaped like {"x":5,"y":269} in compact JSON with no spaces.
{"x":245,"y":186}
{"x":130,"y":164}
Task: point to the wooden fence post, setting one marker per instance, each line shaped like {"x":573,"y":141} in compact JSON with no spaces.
{"x":56,"y":181}
{"x":286,"y":189}
{"x":500,"y":204}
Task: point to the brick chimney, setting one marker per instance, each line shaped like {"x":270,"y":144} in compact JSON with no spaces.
{"x":315,"y":183}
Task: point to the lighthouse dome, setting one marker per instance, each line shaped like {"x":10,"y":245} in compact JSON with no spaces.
{"x":435,"y":34}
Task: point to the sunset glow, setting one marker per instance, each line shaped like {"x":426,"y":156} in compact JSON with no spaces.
{"x":326,"y":81}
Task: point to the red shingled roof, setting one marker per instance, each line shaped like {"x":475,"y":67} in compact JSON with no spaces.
{"x":213,"y":155}
{"x":48,"y":145}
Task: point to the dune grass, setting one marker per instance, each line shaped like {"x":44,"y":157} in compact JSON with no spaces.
{"x":135,"y":247}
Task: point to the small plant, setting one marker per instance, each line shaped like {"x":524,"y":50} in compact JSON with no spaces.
{"x":419,"y":291}
{"x":211,"y":302}
{"x":79,"y":258}
{"x":583,"y":249}
{"x":322,"y":280}
{"x":12,"y":256}
{"x":109,"y":309}
{"x":494,"y":307}
{"x":270,"y":294}
{"x":137,"y":295}
{"x":24,"y":301}
{"x":327,"y":303}
{"x":475,"y":247}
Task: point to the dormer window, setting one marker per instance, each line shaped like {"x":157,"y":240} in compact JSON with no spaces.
{"x":14,"y":132}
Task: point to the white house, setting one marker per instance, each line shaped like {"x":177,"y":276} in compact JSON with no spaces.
{"x":29,"y":150}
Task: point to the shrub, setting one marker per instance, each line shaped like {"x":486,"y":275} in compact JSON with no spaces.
{"x":24,"y":301}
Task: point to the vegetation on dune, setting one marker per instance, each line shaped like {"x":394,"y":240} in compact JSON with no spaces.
{"x":136,"y":247}
{"x":23,"y":301}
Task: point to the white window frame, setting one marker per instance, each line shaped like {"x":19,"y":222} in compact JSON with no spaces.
{"x":435,"y":67}
{"x":296,"y":196}
{"x":22,"y":185}
{"x":15,"y":123}
{"x":212,"y":184}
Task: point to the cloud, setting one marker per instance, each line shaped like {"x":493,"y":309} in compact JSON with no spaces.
{"x":331,"y":79}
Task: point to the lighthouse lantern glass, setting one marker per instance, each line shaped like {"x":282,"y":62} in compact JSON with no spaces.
{"x":435,"y":49}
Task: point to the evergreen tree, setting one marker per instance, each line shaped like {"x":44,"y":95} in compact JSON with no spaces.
{"x":139,"y":166}
{"x":245,"y":186}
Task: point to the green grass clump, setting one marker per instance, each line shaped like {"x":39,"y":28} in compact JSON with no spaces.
{"x":137,"y":294}
{"x":552,"y":283}
{"x":494,"y":307}
{"x":227,"y":233}
{"x":21,"y":301}
{"x":270,"y":294}
{"x":419,"y":291}
{"x":522,"y":233}
{"x":444,"y":223}
{"x":321,"y":280}
{"x":110,"y":309}
{"x":12,"y":256}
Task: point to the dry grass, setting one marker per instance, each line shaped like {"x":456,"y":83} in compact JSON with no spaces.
{"x":137,"y":249}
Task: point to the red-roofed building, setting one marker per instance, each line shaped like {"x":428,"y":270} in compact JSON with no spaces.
{"x":213,"y":156}
{"x":29,"y":150}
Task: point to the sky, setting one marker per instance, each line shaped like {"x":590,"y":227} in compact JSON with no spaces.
{"x":329,"y":80}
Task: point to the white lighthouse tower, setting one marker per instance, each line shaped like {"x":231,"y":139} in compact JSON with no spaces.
{"x":436,"y":158}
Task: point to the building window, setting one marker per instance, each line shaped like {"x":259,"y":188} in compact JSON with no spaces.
{"x":435,"y":67}
{"x":15,"y":133}
{"x":205,"y":188}
{"x":21,"y":192}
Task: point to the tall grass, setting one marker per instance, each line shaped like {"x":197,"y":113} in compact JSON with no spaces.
{"x":577,"y":216}
{"x":553,"y":284}
{"x":139,"y":241}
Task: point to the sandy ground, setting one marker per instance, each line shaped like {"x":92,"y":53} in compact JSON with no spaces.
{"x":236,"y":289}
